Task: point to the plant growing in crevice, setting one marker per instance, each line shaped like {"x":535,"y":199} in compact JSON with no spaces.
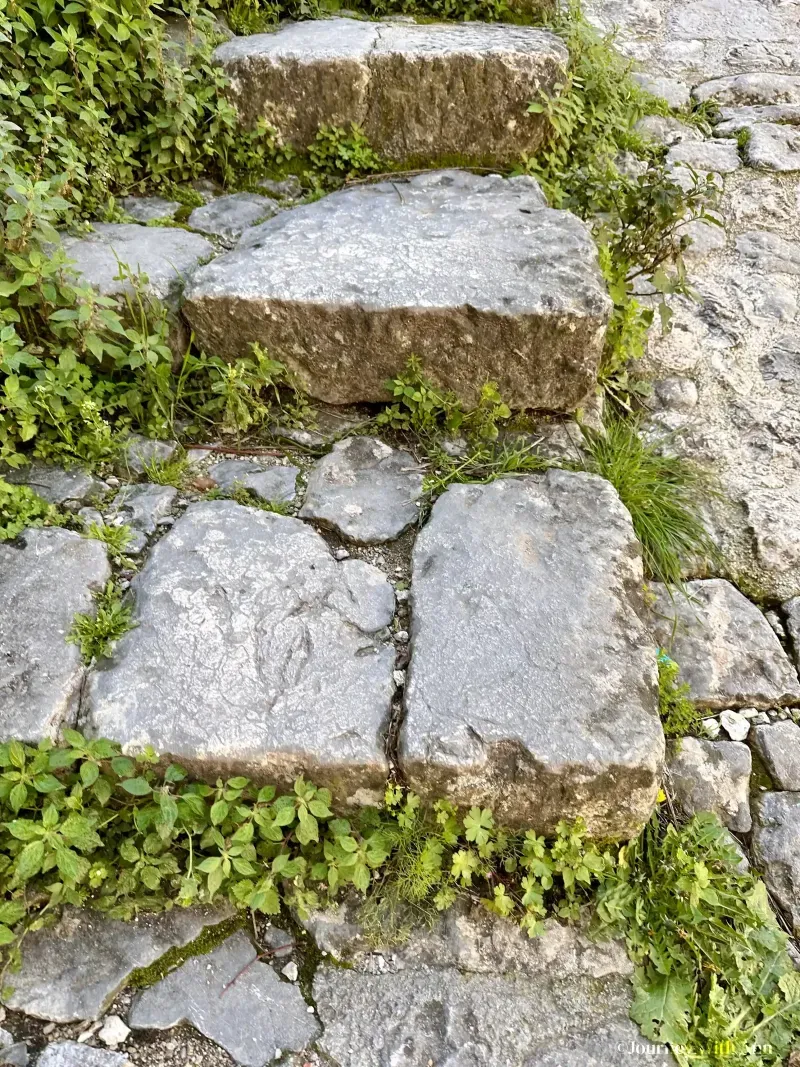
{"x":679,"y":716}
{"x":661,"y":491}
{"x":21,"y":507}
{"x":115,"y":538}
{"x":96,"y":632}
{"x":341,"y":154}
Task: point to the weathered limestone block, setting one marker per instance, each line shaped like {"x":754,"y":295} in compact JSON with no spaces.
{"x":55,"y":484}
{"x":712,"y":776}
{"x":365,"y":490}
{"x":776,"y":848}
{"x":43,"y":584}
{"x":73,"y":970}
{"x":74,"y":1054}
{"x":778,"y":745}
{"x":227,"y":217}
{"x":726,"y":649}
{"x":773,"y":147}
{"x":475,"y":275}
{"x":234,"y":999}
{"x":532,"y":684}
{"x":751,"y":89}
{"x":166,"y":255}
{"x":476,"y":991}
{"x":270,"y":483}
{"x":427,"y":90}
{"x":254,"y":653}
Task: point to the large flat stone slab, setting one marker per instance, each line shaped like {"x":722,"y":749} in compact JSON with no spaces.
{"x":57,"y":484}
{"x":532,"y":685}
{"x":45,"y":579}
{"x":254,"y":652}
{"x":73,"y":970}
{"x":234,"y":999}
{"x":726,"y":649}
{"x":417,"y":90}
{"x":474,"y":275}
{"x":476,"y":991}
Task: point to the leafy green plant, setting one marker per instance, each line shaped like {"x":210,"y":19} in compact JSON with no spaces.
{"x":242,"y":495}
{"x":713,"y":977}
{"x":95,"y":632}
{"x":341,"y":154}
{"x":21,"y":507}
{"x":115,"y":538}
{"x":483,"y":463}
{"x":167,"y":472}
{"x":660,"y":490}
{"x":679,"y":716}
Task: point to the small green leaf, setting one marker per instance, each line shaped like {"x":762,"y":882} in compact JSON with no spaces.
{"x":137,"y":787}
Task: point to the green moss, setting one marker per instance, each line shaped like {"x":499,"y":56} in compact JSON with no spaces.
{"x":208,"y":940}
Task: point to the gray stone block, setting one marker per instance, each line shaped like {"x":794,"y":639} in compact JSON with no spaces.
{"x":269,"y":483}
{"x":418,"y":90}
{"x":532,"y":684}
{"x":365,"y":490}
{"x":779,"y":747}
{"x":147,"y":208}
{"x":228,"y":217}
{"x":232,"y":998}
{"x":347,"y":289}
{"x":55,"y":484}
{"x":726,"y":649}
{"x":140,"y":507}
{"x":75,"y":1054}
{"x":254,"y":653}
{"x":773,"y":147}
{"x":776,"y":849}
{"x":73,"y":970}
{"x":44,"y":582}
{"x":769,"y":252}
{"x":751,"y":89}
{"x":712,"y":776}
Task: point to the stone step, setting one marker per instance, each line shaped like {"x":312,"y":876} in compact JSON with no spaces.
{"x":419,"y":91}
{"x":474,"y":275}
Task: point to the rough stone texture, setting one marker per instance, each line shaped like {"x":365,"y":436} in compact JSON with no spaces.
{"x":165,"y":254}
{"x":779,"y":747}
{"x":73,"y":970}
{"x":776,"y":848}
{"x":139,"y":452}
{"x":712,"y":776}
{"x":417,"y":90}
{"x":268,"y":483}
{"x":703,"y":156}
{"x":254,"y":653}
{"x":74,"y":1054}
{"x":43,"y":584}
{"x":676,"y":93}
{"x":140,"y":507}
{"x":228,"y":217}
{"x":705,"y":237}
{"x":532,"y":680}
{"x":365,"y":490}
{"x":475,"y":991}
{"x":665,"y":129}
{"x":147,"y":208}
{"x":56,"y":485}
{"x":250,"y":1017}
{"x":769,"y":253}
{"x":346,"y":289}
{"x":773,"y":147}
{"x":755,"y":88}
{"x":733,"y":119}
{"x":727,"y":651}
{"x":792,"y":614}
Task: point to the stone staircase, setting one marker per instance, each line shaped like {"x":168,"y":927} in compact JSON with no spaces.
{"x":501,"y":653}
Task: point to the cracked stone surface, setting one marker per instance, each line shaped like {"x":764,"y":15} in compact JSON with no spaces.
{"x":45,"y":579}
{"x":232,"y":998}
{"x":73,"y":970}
{"x":255,"y":653}
{"x":726,"y":649}
{"x":778,"y":746}
{"x":774,"y":147}
{"x":527,"y":591}
{"x":417,"y":90}
{"x":147,"y":208}
{"x":712,"y":776}
{"x":776,"y":848}
{"x":74,"y":1054}
{"x":475,"y":990}
{"x":269,"y":483}
{"x":346,"y":289}
{"x":57,"y":484}
{"x":140,"y":507}
{"x":229,"y":216}
{"x":365,"y":490}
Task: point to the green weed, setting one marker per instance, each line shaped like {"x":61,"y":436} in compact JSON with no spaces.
{"x":21,"y":507}
{"x":115,"y":538}
{"x":167,"y":472}
{"x":242,"y":495}
{"x":661,"y":491}
{"x":339,"y":154}
{"x":95,"y":632}
{"x":679,"y":716}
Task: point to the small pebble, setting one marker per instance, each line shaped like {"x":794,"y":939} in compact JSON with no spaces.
{"x":399,"y":678}
{"x":113,"y":481}
{"x":783,"y":713}
{"x":401,"y":636}
{"x":203,"y":483}
{"x":114,"y":1031}
{"x":290,"y":971}
{"x":49,"y":1028}
{"x":402,"y":595}
{"x":711,"y":728}
{"x":749,"y":713}
{"x":166,"y":520}
{"x":735,"y":725}
{"x":341,"y":553}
